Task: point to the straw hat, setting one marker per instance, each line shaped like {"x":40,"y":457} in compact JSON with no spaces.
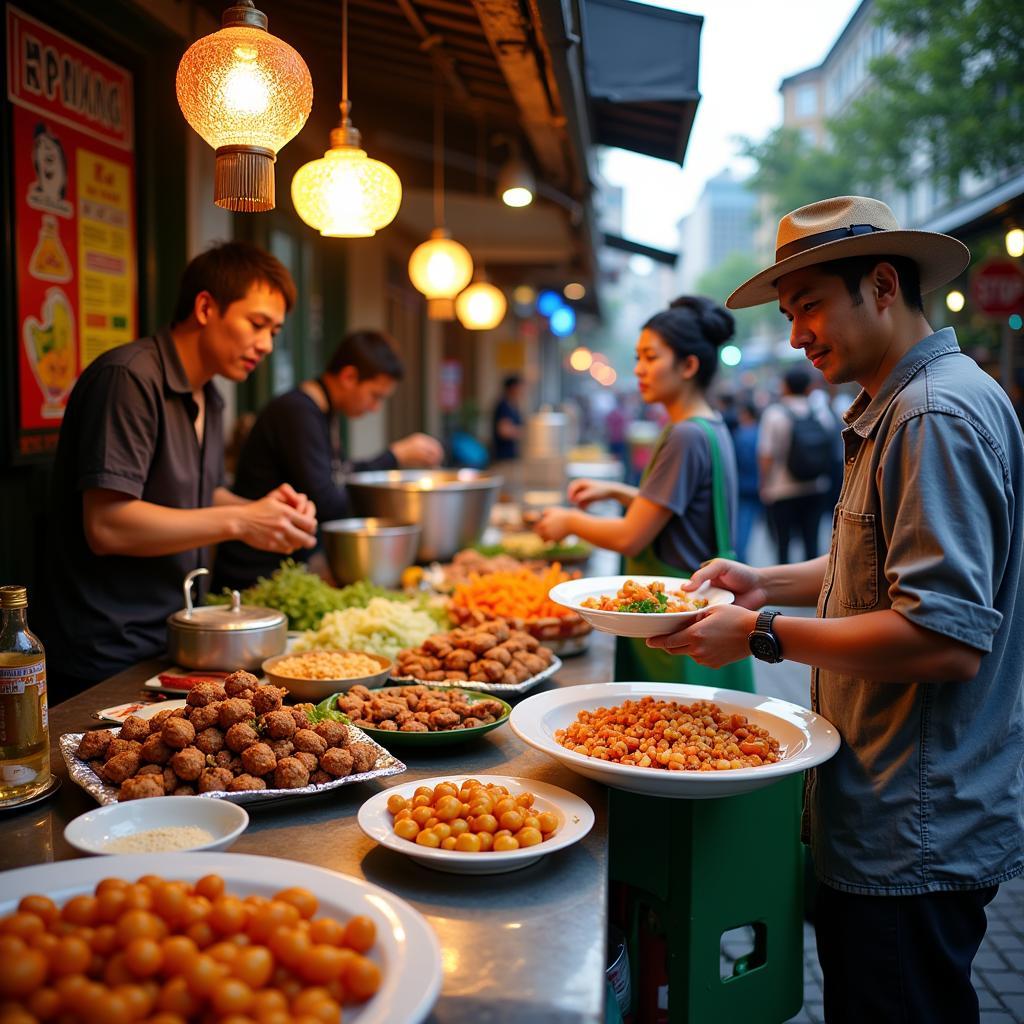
{"x":835,"y":229}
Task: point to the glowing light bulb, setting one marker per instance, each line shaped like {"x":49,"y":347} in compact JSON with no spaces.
{"x":955,"y":301}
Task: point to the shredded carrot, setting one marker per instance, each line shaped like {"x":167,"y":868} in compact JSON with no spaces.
{"x":520,"y":594}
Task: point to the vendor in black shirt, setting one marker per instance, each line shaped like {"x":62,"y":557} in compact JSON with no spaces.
{"x":507,"y":422}
{"x":295,"y":440}
{"x":138,"y":495}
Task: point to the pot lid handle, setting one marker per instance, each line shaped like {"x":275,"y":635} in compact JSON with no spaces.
{"x":188,"y":588}
{"x":236,"y":601}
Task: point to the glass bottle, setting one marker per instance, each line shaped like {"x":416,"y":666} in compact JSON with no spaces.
{"x":24,"y":736}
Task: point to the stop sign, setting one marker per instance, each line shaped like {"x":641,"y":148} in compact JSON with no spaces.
{"x":998,"y":288}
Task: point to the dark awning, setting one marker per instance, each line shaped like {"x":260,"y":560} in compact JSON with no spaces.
{"x":641,"y":67}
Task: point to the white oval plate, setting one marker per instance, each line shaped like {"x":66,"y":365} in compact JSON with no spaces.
{"x":406,"y":949}
{"x":575,"y":820}
{"x":119,"y":712}
{"x":805,"y":738}
{"x":572,"y":594}
{"x":92,"y":831}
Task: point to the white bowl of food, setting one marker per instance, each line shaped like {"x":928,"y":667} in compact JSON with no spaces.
{"x":571,"y":816}
{"x":161,"y":824}
{"x":316,"y":675}
{"x":804,"y":739}
{"x":636,"y":606}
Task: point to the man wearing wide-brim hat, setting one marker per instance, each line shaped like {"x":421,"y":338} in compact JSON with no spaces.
{"x":917,"y":650}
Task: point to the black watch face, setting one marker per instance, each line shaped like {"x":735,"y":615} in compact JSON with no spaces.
{"x":763,"y":647}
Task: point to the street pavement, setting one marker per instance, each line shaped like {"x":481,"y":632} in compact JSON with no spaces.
{"x":999,"y":966}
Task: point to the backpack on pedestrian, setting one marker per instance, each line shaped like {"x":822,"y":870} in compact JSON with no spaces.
{"x":810,"y":447}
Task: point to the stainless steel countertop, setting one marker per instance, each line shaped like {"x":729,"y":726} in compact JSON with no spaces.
{"x":524,"y":946}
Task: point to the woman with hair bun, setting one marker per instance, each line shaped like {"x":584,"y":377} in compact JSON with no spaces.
{"x":684,"y":511}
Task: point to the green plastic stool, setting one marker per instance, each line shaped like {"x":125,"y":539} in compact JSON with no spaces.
{"x":706,"y":867}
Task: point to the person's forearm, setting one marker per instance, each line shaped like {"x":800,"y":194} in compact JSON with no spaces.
{"x":796,"y":585}
{"x":142,"y":529}
{"x":222,"y":497}
{"x":611,"y":534}
{"x":882,"y":646}
{"x":623,"y":493}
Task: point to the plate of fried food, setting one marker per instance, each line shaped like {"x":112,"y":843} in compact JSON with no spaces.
{"x":674,"y":739}
{"x":420,"y":716}
{"x":304,"y":943}
{"x":235,"y":740}
{"x":636,"y":606}
{"x":482,"y":825}
{"x":490,"y":657}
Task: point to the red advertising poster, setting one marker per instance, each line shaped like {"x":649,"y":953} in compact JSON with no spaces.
{"x":74,"y":217}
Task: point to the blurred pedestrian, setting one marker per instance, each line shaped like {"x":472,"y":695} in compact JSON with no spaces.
{"x":748,"y":474}
{"x":507,"y":422}
{"x":795,"y":448}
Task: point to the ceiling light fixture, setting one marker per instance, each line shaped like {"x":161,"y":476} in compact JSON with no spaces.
{"x":247,"y":93}
{"x":346,"y":194}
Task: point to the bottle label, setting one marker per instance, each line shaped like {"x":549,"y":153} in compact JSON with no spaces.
{"x":23,"y":711}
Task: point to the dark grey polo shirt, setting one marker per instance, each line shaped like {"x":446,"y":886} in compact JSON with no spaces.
{"x":926,"y":793}
{"x":129,"y":427}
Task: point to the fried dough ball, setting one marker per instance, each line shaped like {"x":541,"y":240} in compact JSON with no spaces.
{"x":282,"y":748}
{"x":245,"y":782}
{"x":121,"y":766}
{"x":300,"y":713}
{"x":155,"y":751}
{"x":337,"y":762}
{"x":188,"y":763}
{"x":267,"y":698}
{"x":444,"y":718}
{"x":412,"y":725}
{"x":240,"y":736}
{"x":120,"y":746}
{"x":235,"y":709}
{"x":223,"y":758}
{"x":334,"y":733}
{"x":156,"y":723}
{"x":134,"y":728}
{"x":214,"y":780}
{"x":388,"y":725}
{"x":278,"y":725}
{"x":171,"y":780}
{"x":309,"y":741}
{"x":184,"y":791}
{"x":319,"y":777}
{"x":204,"y":693}
{"x":259,"y":759}
{"x":141,"y":786}
{"x":364,"y":756}
{"x":205,"y":717}
{"x":178,"y":733}
{"x":309,"y":761}
{"x":210,"y":741}
{"x":239,"y":684}
{"x":95,"y":744}
{"x":351,"y":705}
{"x":290,"y":773}
{"x":360,"y":691}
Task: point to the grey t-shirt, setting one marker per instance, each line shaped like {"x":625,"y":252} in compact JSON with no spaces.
{"x":680,"y":480}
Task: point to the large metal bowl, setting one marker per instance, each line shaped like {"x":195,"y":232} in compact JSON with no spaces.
{"x":370,"y":549}
{"x":451,"y":505}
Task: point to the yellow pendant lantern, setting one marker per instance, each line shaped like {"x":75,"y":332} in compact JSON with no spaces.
{"x":440,"y":268}
{"x":247,"y":93}
{"x":482,"y":306}
{"x":346,"y":194}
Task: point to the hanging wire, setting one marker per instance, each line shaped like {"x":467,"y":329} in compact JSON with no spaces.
{"x":438,"y":150}
{"x":344,"y":58}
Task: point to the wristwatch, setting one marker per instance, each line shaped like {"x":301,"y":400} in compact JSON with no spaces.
{"x":764,"y":644}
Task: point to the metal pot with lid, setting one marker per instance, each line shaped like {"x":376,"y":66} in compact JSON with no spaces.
{"x":219,"y":638}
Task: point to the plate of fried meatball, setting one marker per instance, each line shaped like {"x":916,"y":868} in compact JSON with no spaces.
{"x":420,"y":716}
{"x":235,"y":740}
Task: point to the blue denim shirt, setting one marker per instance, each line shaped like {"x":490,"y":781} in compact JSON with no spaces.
{"x":926,"y":792}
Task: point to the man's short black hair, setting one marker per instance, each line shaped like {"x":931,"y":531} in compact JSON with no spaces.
{"x":227,"y":272}
{"x":854,"y":269}
{"x":372,"y":353}
{"x":513,"y":380}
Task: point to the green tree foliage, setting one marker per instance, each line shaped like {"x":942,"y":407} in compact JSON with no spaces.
{"x":792,"y":173}
{"x":721,"y":281}
{"x":953,"y":89}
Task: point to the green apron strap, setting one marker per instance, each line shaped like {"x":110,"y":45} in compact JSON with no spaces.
{"x":723,"y":524}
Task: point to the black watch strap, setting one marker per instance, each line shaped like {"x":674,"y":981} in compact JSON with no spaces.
{"x":764,"y":644}
{"x":765,"y":618}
